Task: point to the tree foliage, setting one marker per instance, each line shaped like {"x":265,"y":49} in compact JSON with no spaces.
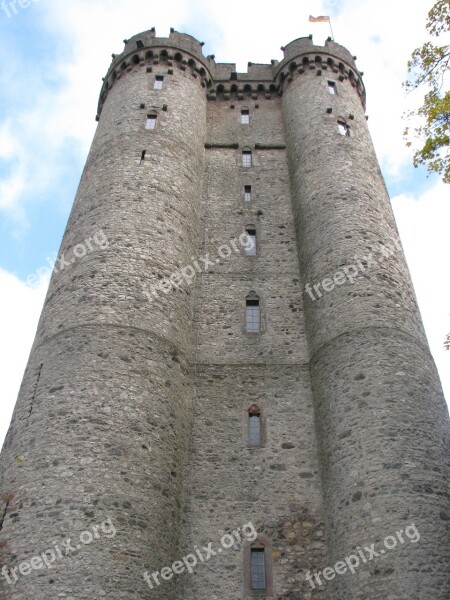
{"x":429,"y":67}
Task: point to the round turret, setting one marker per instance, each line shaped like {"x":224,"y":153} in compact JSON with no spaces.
{"x":372,"y":372}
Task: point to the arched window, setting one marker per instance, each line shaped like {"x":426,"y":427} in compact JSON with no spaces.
{"x":192,"y":65}
{"x":261,"y":91}
{"x":220,"y":90}
{"x":252,"y":314}
{"x":250,"y":247}
{"x":255,"y":437}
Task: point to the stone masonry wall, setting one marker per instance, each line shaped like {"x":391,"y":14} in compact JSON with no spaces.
{"x":131,"y":426}
{"x":101,"y":426}
{"x":380,"y":413}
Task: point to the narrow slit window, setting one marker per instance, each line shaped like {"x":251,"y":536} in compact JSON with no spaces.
{"x":344,"y":129}
{"x":250,"y":248}
{"x":252,"y":316}
{"x":245,"y":116}
{"x":258,"y":569}
{"x":248,"y":193}
{"x":254,"y":429}
{"x":158,"y":82}
{"x":151,"y":122}
{"x":332,"y":87}
{"x":142,"y":157}
{"x":246,"y":158}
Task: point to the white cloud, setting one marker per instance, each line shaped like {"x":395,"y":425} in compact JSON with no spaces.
{"x":20,"y":307}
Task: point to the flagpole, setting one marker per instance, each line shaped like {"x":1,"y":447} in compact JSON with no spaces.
{"x":331,"y":29}
{"x":322,"y":19}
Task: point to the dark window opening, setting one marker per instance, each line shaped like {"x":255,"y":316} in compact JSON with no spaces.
{"x":250,"y":249}
{"x":158,"y":82}
{"x":151,"y":122}
{"x":248,"y":193}
{"x":258,"y":569}
{"x":344,"y":129}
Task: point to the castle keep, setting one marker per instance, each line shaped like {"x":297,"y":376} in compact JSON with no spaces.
{"x":245,"y":351}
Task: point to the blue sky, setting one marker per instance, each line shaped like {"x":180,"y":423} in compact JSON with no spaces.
{"x":54,"y":55}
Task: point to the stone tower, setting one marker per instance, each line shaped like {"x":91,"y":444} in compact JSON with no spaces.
{"x":231,"y":341}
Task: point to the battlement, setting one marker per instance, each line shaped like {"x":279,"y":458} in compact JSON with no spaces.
{"x":302,"y":56}
{"x":305,"y":45}
{"x":255,"y":72}
{"x":182,"y":41}
{"x":221,"y":80}
{"x":145,"y":49}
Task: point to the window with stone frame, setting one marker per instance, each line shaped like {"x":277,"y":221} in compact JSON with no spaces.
{"x":258,"y":576}
{"x":151,"y":121}
{"x":246,"y":158}
{"x":255,"y":426}
{"x":250,"y":231}
{"x":252,"y":315}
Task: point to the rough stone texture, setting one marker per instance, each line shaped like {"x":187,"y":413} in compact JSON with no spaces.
{"x":110,"y":418}
{"x":136,"y":410}
{"x":380,"y":414}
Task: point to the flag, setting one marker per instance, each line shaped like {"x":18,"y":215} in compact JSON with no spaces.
{"x":320,"y":19}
